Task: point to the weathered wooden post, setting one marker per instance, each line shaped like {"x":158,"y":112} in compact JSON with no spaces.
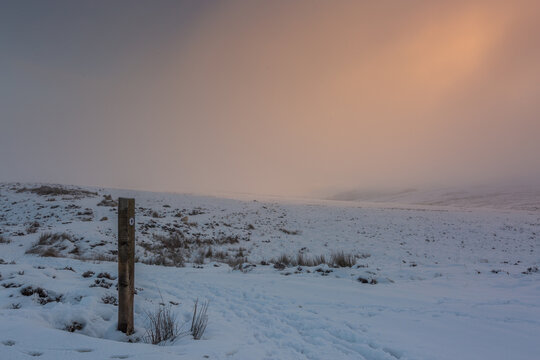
{"x":126,"y":263}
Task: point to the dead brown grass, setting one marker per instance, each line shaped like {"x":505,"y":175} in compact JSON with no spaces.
{"x":57,"y":190}
{"x":163,"y":325}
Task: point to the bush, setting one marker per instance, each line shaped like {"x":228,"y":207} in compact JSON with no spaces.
{"x":199,"y":320}
{"x":4,"y":240}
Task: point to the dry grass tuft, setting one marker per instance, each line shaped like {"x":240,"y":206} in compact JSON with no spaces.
{"x":340,"y":259}
{"x":50,"y":238}
{"x":47,"y":190}
{"x":50,"y":244}
{"x":163,"y":325}
{"x":108,"y":201}
{"x":50,"y":252}
{"x":284,"y":259}
{"x":4,"y":240}
{"x":175,"y":248}
{"x":290,"y":232}
{"x":199,"y":320}
{"x":337,"y":259}
{"x":33,"y":227}
{"x":199,"y":259}
{"x":303,"y":260}
{"x":236,"y":262}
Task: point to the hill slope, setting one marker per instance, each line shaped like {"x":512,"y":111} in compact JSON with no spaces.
{"x":424,"y":283}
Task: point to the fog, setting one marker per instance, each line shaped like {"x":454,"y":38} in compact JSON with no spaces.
{"x":287,"y":98}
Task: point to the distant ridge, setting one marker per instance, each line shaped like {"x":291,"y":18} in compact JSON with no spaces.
{"x":502,"y":197}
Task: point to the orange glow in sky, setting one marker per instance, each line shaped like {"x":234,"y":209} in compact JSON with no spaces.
{"x":294,"y":98}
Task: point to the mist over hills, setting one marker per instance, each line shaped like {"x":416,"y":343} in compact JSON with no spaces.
{"x":498,"y":197}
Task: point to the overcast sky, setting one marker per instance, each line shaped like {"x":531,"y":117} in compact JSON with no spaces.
{"x":274,"y":97}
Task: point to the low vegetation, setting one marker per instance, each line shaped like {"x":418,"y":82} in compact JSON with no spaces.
{"x":53,"y":238}
{"x":199,"y":320}
{"x":336,"y":259}
{"x":290,"y":232}
{"x":33,"y":227}
{"x":48,"y":190}
{"x":163,"y":325}
{"x":107,"y":201}
{"x":340,"y":259}
{"x":50,"y":244}
{"x":177,"y":248}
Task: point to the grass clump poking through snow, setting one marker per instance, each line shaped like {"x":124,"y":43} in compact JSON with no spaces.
{"x":4,"y":240}
{"x":284,"y":259}
{"x":50,"y":245}
{"x":199,"y":259}
{"x":163,"y":325}
{"x":199,"y":320}
{"x":176,"y":248}
{"x":290,"y":232}
{"x":236,"y":262}
{"x":50,"y":238}
{"x":168,"y":250}
{"x":336,"y":259}
{"x":303,"y":260}
{"x":33,"y":227}
{"x":340,"y":259}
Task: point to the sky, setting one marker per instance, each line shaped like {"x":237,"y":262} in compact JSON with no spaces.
{"x":290,"y":98}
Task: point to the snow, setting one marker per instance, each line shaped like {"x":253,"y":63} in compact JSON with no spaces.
{"x":517,"y":197}
{"x":451,"y":283}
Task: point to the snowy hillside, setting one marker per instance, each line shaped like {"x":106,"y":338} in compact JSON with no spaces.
{"x":497,"y":197}
{"x":284,"y":279}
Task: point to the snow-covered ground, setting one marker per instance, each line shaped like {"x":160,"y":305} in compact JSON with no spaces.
{"x":427,"y":283}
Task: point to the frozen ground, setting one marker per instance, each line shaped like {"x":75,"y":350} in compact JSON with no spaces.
{"x":442,"y":283}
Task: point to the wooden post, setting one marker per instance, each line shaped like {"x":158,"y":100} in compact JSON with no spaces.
{"x":126,"y":263}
